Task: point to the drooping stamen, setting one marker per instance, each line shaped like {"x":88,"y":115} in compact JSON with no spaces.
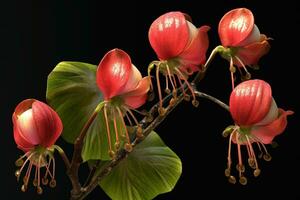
{"x":167,"y":89}
{"x":139,"y":131}
{"x":26,"y":178}
{"x":248,"y":75}
{"x":240,"y":166}
{"x":117,"y":143}
{"x":35,"y":180}
{"x":232,"y":71}
{"x":186,"y":96}
{"x":194,"y":102}
{"x":231,"y":178}
{"x":128,"y":146}
{"x":128,"y":119}
{"x":260,"y":150}
{"x":39,"y":189}
{"x":20,"y":161}
{"x":161,"y":109}
{"x":110,"y":152}
{"x":53,"y":181}
{"x":266,"y":156}
{"x":45,"y":179}
{"x":173,"y":81}
{"x":18,"y":172}
{"x":256,"y":169}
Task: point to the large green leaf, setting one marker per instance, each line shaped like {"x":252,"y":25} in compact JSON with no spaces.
{"x":150,"y":169}
{"x":72,"y":91}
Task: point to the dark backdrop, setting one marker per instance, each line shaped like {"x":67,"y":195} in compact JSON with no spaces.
{"x":36,"y":35}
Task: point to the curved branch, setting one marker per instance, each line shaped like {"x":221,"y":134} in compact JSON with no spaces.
{"x":149,"y":126}
{"x":211,"y":98}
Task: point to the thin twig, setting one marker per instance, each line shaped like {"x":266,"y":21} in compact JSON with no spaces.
{"x":63,"y":156}
{"x":211,"y":98}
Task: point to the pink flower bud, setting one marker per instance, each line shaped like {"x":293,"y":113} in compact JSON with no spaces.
{"x":237,"y":30}
{"x":35,"y":123}
{"x":36,"y":129}
{"x":173,"y":36}
{"x":118,"y":77}
{"x":250,"y":102}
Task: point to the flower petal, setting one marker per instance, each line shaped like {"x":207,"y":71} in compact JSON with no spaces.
{"x":250,"y":102}
{"x":48,"y":123}
{"x":28,"y":127}
{"x":266,"y":133}
{"x":142,"y":87}
{"x":135,"y":101}
{"x":169,"y":35}
{"x":251,"y":54}
{"x":21,"y":142}
{"x":113,"y":72}
{"x":133,"y":80}
{"x":195,"y":52}
{"x":254,"y":36}
{"x":235,"y":26}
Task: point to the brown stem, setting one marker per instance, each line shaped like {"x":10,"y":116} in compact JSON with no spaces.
{"x":76,"y":159}
{"x":211,"y":98}
{"x":63,"y":156}
{"x":122,"y":154}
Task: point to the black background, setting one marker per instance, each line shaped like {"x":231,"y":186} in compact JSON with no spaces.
{"x":36,"y":35}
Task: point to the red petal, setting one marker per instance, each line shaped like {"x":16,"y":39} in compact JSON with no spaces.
{"x":195,"y":53}
{"x":142,"y":87}
{"x":250,"y":102}
{"x":113,"y":72}
{"x":235,"y":26}
{"x":48,"y":123}
{"x":266,"y":133}
{"x":21,"y":142}
{"x":251,"y":53}
{"x":135,"y":101}
{"x":169,"y":35}
{"x":133,"y":80}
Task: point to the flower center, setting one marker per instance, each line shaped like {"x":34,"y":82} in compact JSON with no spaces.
{"x":39,"y":157}
{"x":242,"y":137}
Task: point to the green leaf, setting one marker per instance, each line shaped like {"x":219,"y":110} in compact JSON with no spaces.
{"x":150,"y":169}
{"x":72,"y":91}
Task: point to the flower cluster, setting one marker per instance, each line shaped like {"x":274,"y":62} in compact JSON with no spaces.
{"x":181,"y":51}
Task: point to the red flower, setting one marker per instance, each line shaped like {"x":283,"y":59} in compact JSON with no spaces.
{"x":257,"y":120}
{"x":35,"y":123}
{"x":173,"y":36}
{"x":238,"y":32}
{"x":181,"y":49}
{"x":117,"y":77}
{"x":123,"y":89}
{"x":36,"y":129}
